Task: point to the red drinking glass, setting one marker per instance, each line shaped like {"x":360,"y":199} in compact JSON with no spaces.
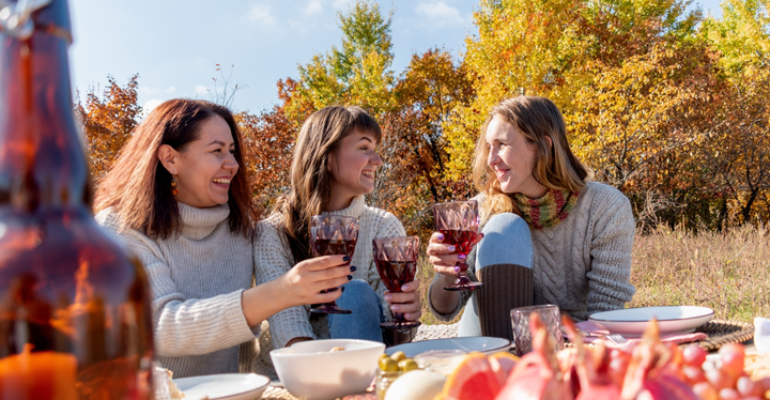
{"x":396,"y":260}
{"x":458,"y":221}
{"x":332,"y":235}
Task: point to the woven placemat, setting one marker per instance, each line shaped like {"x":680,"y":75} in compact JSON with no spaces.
{"x":721,"y":332}
{"x":277,"y":393}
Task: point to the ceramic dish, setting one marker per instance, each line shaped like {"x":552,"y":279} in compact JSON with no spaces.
{"x":223,"y":386}
{"x":631,"y":322}
{"x":483,"y":344}
{"x":312,"y":371}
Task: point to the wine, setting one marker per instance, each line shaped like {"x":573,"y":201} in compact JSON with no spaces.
{"x":326,"y":247}
{"x":462,"y":240}
{"x":396,"y":273}
{"x":458,"y":221}
{"x":343,"y":232}
{"x":75,"y":319}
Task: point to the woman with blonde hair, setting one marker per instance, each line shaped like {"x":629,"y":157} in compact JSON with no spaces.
{"x":178,"y":196}
{"x":550,"y":235}
{"x":333,"y":168}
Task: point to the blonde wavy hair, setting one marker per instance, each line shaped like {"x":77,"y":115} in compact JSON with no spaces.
{"x":556,"y":167}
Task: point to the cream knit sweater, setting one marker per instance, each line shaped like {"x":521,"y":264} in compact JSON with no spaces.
{"x":196,"y":278}
{"x":273,"y":258}
{"x":583,"y":264}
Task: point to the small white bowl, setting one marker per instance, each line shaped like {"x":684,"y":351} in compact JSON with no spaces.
{"x":309,"y":371}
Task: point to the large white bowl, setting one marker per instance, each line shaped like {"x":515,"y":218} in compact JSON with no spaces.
{"x":631,"y":322}
{"x":309,"y":371}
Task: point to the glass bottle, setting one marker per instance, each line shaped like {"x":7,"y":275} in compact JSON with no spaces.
{"x":75,"y":319}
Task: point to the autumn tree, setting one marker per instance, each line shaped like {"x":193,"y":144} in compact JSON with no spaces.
{"x":415,"y":145}
{"x":108,"y":119}
{"x":553,"y":48}
{"x":268,"y":143}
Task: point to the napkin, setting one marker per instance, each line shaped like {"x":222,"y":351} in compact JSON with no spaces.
{"x":762,"y":335}
{"x":595,"y":331}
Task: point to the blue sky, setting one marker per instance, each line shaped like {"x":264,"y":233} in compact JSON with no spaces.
{"x":174,"y":44}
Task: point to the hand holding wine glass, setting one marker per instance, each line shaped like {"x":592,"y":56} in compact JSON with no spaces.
{"x":458,"y":225}
{"x":332,"y":235}
{"x":396,"y":259}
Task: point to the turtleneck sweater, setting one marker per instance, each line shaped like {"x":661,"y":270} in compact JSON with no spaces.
{"x":583,"y":264}
{"x":197,"y":277}
{"x":273,"y":258}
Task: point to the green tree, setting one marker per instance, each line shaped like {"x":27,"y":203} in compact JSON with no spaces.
{"x":358,"y":72}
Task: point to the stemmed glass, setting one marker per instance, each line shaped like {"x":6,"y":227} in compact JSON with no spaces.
{"x":332,"y":235}
{"x":396,"y":260}
{"x":458,"y":221}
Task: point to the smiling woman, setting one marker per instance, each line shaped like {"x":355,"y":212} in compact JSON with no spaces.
{"x":178,"y":197}
{"x":550,"y":235}
{"x":333,"y":167}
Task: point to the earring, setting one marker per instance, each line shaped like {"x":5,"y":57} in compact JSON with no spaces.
{"x":174,"y":190}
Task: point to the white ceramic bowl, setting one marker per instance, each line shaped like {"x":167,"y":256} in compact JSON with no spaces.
{"x":309,"y":371}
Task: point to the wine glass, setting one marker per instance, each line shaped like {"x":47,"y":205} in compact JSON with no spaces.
{"x":396,"y":260}
{"x":332,"y":235}
{"x":458,"y":221}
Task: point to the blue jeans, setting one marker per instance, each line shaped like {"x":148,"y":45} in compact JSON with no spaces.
{"x":507,"y":240}
{"x":364,"y":322}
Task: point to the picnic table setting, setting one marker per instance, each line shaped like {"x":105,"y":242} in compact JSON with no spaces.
{"x":674,"y":352}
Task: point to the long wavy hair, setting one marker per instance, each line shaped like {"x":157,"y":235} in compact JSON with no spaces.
{"x":138,"y":187}
{"x":556,"y":167}
{"x":311,"y":181}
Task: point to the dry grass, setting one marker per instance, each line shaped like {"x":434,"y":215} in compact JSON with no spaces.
{"x":729,"y":272}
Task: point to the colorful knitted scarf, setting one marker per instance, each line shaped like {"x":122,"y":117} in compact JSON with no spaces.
{"x":547,"y":211}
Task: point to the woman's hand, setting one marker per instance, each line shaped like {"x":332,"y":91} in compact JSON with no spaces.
{"x":407,"y":302}
{"x":443,"y":256}
{"x":305,"y":281}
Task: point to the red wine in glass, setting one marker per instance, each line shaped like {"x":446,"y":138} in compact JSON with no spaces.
{"x":332,"y":235}
{"x":396,"y":260}
{"x":458,"y":221}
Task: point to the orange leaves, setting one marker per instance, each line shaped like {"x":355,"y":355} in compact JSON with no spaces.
{"x":108,"y":121}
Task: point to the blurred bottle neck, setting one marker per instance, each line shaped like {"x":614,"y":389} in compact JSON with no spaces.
{"x":42,"y":163}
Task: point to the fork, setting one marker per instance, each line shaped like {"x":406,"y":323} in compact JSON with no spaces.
{"x":616,"y":338}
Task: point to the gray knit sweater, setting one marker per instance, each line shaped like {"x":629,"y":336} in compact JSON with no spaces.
{"x":197,"y":277}
{"x":583,"y":264}
{"x":273,"y":258}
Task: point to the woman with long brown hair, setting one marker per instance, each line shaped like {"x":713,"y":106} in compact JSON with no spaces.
{"x":179,"y":198}
{"x":550,"y":235}
{"x":333,"y":168}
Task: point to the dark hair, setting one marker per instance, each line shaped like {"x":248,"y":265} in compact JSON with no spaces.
{"x":320,"y":137}
{"x":138,"y":187}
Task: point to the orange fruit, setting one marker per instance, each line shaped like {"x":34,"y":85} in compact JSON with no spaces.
{"x":473,"y":379}
{"x":502,"y":364}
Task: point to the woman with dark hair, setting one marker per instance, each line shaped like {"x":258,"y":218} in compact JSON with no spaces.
{"x":549,"y":234}
{"x":333,"y":168}
{"x":178,"y":197}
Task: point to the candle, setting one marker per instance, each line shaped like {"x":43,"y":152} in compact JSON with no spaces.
{"x":41,"y":375}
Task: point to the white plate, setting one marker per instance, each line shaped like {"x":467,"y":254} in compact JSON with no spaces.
{"x":482,"y":344}
{"x":631,"y":322}
{"x":223,"y":386}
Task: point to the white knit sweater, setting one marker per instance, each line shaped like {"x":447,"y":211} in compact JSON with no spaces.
{"x":583,"y":264}
{"x":196,"y":278}
{"x":273,"y":258}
